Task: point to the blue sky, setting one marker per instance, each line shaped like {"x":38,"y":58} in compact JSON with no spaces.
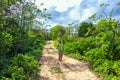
{"x":64,"y":12}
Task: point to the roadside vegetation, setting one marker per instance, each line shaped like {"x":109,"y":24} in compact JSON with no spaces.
{"x":98,"y":44}
{"x":21,"y":39}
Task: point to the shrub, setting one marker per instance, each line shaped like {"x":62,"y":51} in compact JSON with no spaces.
{"x":95,"y":54}
{"x":36,"y":53}
{"x":26,"y":65}
{"x":116,"y":69}
{"x":70,"y":47}
{"x":6,"y":41}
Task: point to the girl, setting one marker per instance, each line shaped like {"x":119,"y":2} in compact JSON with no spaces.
{"x":60,"y":50}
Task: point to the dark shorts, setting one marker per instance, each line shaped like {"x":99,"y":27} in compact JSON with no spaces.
{"x":60,"y":51}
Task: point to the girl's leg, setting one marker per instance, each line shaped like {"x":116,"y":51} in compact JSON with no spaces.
{"x":58,"y":56}
{"x":61,"y":54}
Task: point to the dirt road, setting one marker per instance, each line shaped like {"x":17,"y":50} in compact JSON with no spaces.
{"x":70,"y":69}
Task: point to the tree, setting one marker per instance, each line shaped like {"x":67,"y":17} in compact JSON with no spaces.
{"x":83,"y":28}
{"x":57,"y":31}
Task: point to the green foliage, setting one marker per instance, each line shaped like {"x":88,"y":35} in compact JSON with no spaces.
{"x":70,"y":47}
{"x":99,"y":45}
{"x":95,"y":54}
{"x":118,"y":4}
{"x":5,"y":43}
{"x":23,"y":67}
{"x":101,"y":5}
{"x":21,"y":42}
{"x":65,"y":38}
{"x":28,"y":63}
{"x":83,"y":28}
{"x":81,"y":45}
{"x":93,"y":16}
{"x":57,"y":31}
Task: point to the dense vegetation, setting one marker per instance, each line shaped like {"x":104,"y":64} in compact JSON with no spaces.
{"x":21,"y":39}
{"x":98,"y":44}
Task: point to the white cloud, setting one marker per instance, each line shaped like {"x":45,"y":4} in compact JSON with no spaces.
{"x":67,"y":11}
{"x":75,"y":13}
{"x":87,"y":13}
{"x":103,"y":1}
{"x":82,"y":15}
{"x":60,"y":5}
{"x":63,"y":5}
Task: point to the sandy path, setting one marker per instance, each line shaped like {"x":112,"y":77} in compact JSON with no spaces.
{"x":70,"y":69}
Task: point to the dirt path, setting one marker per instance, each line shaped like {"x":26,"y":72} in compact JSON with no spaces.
{"x":70,"y":69}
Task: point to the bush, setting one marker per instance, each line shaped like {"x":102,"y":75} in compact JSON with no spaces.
{"x":6,"y":41}
{"x":81,"y":45}
{"x":85,"y":44}
{"x":116,"y":68}
{"x":23,"y":67}
{"x":95,"y":54}
{"x":107,"y":69}
{"x":70,"y":47}
{"x":36,"y":53}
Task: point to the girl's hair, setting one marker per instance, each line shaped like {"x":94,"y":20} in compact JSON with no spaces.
{"x":59,"y":40}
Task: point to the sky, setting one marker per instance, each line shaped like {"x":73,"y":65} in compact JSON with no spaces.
{"x":64,"y":12}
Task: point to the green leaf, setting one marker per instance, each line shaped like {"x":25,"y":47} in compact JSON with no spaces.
{"x":102,"y":4}
{"x":93,"y":16}
{"x":107,"y":4}
{"x":118,"y":4}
